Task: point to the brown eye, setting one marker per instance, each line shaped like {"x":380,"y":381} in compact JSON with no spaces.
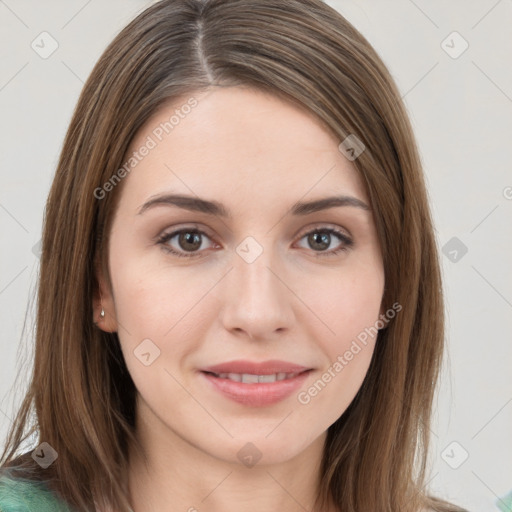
{"x":188,"y":241}
{"x":320,"y":239}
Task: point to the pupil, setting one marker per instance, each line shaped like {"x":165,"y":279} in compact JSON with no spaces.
{"x":324,"y":239}
{"x":190,"y":238}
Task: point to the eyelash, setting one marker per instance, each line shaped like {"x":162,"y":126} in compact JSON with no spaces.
{"x":347,"y":242}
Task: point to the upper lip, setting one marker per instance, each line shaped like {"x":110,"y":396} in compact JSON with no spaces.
{"x":256,"y":368}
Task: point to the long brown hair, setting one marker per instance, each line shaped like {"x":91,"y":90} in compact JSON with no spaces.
{"x":375,"y":456}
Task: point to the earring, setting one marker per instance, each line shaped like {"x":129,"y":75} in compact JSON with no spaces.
{"x":102,"y":313}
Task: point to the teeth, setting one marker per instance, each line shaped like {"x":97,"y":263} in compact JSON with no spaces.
{"x":267,"y":378}
{"x":249,"y":378}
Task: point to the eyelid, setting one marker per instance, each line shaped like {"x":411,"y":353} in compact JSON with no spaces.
{"x":323,"y":225}
{"x":174,"y":230}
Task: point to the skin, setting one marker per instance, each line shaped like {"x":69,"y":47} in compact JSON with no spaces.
{"x":258,"y":155}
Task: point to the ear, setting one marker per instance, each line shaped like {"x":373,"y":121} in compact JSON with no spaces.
{"x":103,"y":298}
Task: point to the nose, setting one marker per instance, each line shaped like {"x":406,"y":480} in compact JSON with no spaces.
{"x":257,"y":298}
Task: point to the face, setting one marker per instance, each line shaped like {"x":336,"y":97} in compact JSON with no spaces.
{"x":245,"y":317}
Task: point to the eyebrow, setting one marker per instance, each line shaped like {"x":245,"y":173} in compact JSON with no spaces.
{"x":196,"y":204}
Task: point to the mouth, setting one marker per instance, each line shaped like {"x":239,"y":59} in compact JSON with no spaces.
{"x":251,"y":378}
{"x":263,"y":368}
{"x":261,"y":386}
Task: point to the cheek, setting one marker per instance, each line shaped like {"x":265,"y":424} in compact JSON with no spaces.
{"x":347,"y":303}
{"x":347,"y":334}
{"x":169,"y":306}
{"x":149,"y":298}
{"x":160,"y":323}
{"x":346,"y":330}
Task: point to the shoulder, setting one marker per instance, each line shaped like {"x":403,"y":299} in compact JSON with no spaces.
{"x":23,"y":495}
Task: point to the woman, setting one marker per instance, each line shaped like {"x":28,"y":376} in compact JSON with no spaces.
{"x":240,"y":302}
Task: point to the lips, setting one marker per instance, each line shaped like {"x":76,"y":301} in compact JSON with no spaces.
{"x":256,"y":384}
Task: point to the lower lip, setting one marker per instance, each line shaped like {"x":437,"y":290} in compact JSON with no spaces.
{"x":257,"y":395}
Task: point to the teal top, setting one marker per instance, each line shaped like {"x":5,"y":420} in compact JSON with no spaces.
{"x":22,"y":495}
{"x":505,"y":503}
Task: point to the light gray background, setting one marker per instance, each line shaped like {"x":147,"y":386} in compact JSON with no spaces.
{"x":461,"y":109}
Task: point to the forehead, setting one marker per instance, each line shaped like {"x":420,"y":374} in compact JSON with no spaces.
{"x":240,"y":144}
